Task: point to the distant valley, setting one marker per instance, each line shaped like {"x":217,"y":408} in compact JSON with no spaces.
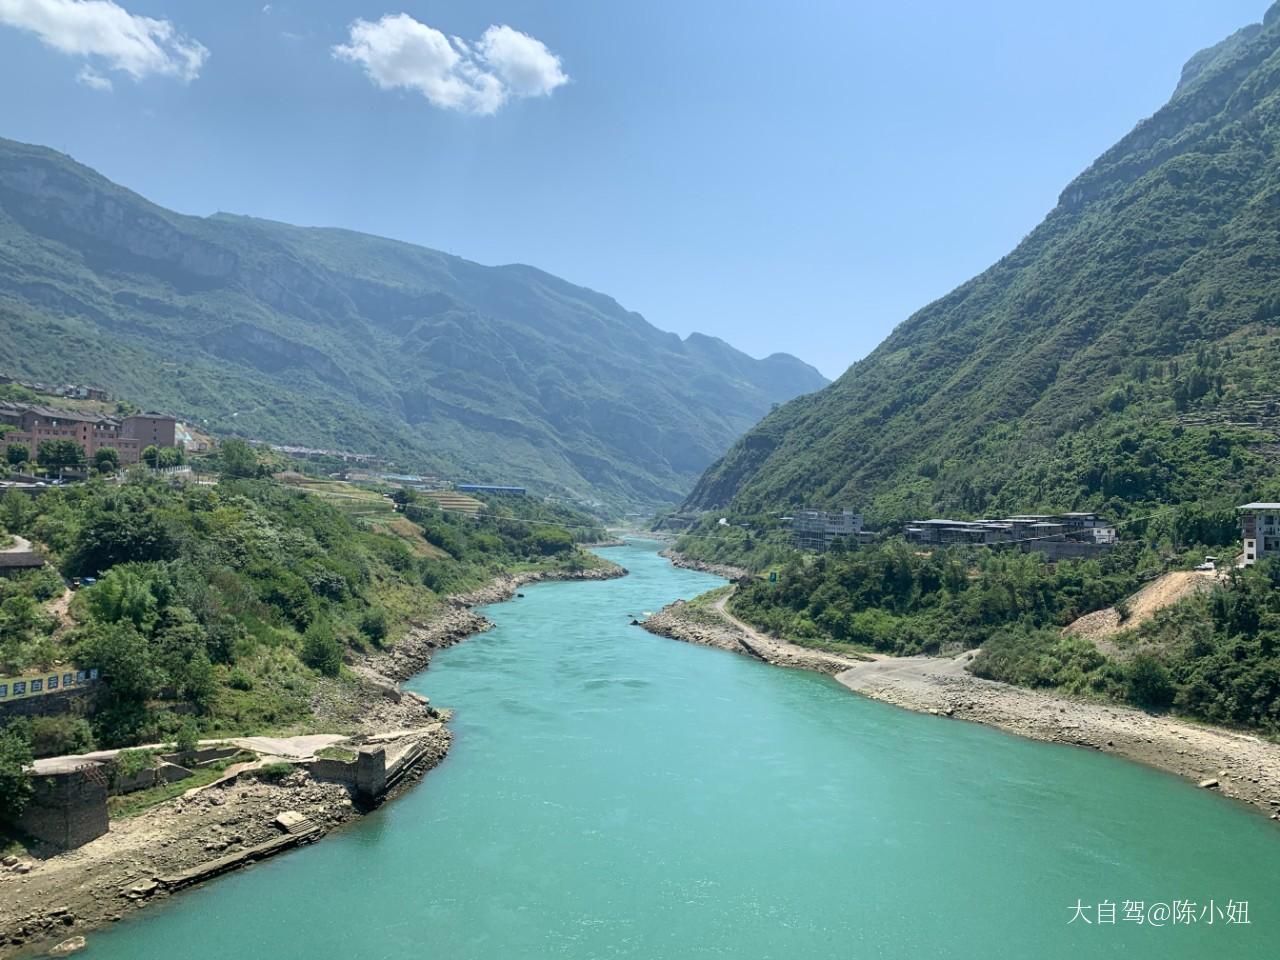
{"x":339,"y":340}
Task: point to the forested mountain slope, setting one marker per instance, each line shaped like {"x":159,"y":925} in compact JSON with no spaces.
{"x":335,"y":339}
{"x":1126,"y":353}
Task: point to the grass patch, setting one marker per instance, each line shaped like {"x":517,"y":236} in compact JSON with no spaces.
{"x":11,"y":843}
{"x":704,"y":601}
{"x":345,"y":754}
{"x":271,"y":772}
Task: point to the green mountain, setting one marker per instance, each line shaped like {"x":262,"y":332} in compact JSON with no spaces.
{"x":333,"y":339}
{"x":1126,"y":353}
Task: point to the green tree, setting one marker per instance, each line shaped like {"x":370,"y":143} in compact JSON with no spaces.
{"x":374,"y":625}
{"x":1149,"y":683}
{"x":321,"y":650}
{"x":56,"y":454}
{"x":129,"y":679}
{"x":107,"y":460}
{"x":15,"y":788}
{"x":16,"y":453}
{"x":151,"y":455}
{"x":55,"y":736}
{"x":124,"y":594}
{"x":169,"y":457}
{"x":238,"y":459}
{"x":188,"y":737}
{"x":118,"y":531}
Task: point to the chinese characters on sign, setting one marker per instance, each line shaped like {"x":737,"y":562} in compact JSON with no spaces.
{"x":1160,"y":913}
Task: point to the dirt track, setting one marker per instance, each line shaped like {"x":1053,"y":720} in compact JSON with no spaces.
{"x":1162,"y":592}
{"x":713,"y":626}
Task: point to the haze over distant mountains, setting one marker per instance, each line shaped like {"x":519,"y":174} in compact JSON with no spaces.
{"x":1126,"y":352}
{"x":335,"y":339}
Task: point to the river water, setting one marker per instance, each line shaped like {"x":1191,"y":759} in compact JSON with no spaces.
{"x":614,"y":794}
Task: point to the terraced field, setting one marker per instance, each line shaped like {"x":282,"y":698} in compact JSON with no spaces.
{"x":374,"y":510}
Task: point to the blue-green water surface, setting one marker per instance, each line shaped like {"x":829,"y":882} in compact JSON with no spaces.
{"x":614,"y":794}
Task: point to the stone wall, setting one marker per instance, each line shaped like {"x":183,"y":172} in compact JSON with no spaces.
{"x":334,"y":771}
{"x":371,"y":772}
{"x":68,"y":808}
{"x":158,"y":775}
{"x":46,"y":704}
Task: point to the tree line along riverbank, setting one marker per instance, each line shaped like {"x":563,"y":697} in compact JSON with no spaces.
{"x":1212,"y":655}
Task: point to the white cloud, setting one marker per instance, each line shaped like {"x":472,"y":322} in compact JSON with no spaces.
{"x":92,"y":79}
{"x":101,"y":29}
{"x":525,"y":65}
{"x":399,"y":52}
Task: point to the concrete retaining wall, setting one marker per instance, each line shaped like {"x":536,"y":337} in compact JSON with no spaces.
{"x":67,"y":809}
{"x":334,"y":771}
{"x":45,"y":705}
{"x":155,"y":776}
{"x":366,"y":775}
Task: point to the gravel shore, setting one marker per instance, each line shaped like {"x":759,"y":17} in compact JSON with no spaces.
{"x":1238,"y":765}
{"x":719,"y":569}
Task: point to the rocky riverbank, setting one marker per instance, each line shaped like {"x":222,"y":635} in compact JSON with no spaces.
{"x":236,"y":820}
{"x":725,"y":570}
{"x":710,"y":625}
{"x":458,"y":620}
{"x":1237,"y":765}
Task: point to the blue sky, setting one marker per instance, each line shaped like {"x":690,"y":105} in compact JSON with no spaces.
{"x":796,"y":177}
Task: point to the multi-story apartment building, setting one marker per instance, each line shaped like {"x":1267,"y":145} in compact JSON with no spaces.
{"x":150,"y":429}
{"x":818,"y":529}
{"x":128,"y":436}
{"x":1260,"y":531}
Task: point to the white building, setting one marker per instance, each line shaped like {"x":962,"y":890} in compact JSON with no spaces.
{"x":818,"y":529}
{"x":1260,"y":530}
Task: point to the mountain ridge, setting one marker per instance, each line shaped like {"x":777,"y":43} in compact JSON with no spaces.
{"x":1102,"y":363}
{"x":329,"y":337}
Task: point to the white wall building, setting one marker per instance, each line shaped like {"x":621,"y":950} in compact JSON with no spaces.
{"x":1260,"y":530}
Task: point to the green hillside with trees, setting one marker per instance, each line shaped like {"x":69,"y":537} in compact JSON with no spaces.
{"x":218,"y":609}
{"x":1125,"y":355}
{"x":338,"y":340}
{"x":1124,"y":358}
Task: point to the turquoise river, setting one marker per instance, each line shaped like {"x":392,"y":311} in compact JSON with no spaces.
{"x":615,"y":794}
